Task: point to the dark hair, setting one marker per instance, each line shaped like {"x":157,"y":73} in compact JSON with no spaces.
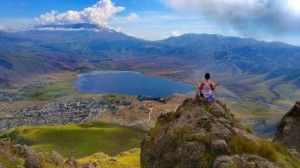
{"x":207,"y":76}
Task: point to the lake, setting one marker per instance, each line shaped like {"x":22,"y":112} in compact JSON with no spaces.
{"x":262,"y":128}
{"x":129,"y":83}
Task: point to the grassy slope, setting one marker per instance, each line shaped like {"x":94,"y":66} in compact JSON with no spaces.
{"x":81,"y":140}
{"x":10,"y":163}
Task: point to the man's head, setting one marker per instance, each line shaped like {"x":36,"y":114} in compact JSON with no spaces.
{"x":207,"y":76}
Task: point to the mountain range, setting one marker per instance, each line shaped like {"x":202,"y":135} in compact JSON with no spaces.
{"x":239,"y":64}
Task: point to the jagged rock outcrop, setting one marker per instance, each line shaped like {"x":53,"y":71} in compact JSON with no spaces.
{"x":31,"y":157}
{"x":6,"y":153}
{"x":16,"y":155}
{"x":72,"y":163}
{"x":288,"y":129}
{"x":202,"y":134}
{"x":57,"y":159}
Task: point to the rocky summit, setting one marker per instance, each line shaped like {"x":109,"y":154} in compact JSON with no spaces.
{"x":203,"y":134}
{"x":288,"y":129}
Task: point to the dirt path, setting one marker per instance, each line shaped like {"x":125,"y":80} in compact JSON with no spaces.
{"x":149,"y":115}
{"x":140,"y":122}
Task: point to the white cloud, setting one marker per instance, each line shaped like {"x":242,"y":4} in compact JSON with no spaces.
{"x":246,"y":16}
{"x":176,"y":33}
{"x":129,"y":18}
{"x":98,"y":14}
{"x":221,"y":8}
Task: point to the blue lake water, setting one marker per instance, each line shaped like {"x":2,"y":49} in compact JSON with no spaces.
{"x":129,"y":83}
{"x":262,"y":128}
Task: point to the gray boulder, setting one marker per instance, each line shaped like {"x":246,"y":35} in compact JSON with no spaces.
{"x":89,"y":165}
{"x":288,"y":129}
{"x":252,"y":161}
{"x":219,"y":147}
{"x":223,"y":161}
{"x":72,"y":163}
{"x":57,"y":159}
{"x":31,"y":157}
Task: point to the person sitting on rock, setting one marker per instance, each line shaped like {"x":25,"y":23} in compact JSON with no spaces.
{"x":207,"y":87}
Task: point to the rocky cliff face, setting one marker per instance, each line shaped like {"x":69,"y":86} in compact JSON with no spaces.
{"x":288,"y":129}
{"x":201,"y":134}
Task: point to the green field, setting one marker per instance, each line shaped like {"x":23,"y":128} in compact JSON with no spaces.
{"x":79,"y":140}
{"x":50,"y":91}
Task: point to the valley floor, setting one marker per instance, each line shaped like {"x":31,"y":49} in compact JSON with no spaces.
{"x":50,"y":100}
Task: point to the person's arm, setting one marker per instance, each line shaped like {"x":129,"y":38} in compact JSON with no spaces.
{"x":213,"y":86}
{"x":200,"y":85}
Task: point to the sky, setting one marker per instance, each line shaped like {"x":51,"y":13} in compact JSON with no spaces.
{"x":268,"y":20}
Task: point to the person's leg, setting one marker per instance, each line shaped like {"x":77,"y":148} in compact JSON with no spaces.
{"x":201,"y":94}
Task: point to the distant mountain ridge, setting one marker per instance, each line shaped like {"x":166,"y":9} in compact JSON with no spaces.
{"x":245,"y":48}
{"x":245,"y":55}
{"x":71,"y":26}
{"x":92,"y":47}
